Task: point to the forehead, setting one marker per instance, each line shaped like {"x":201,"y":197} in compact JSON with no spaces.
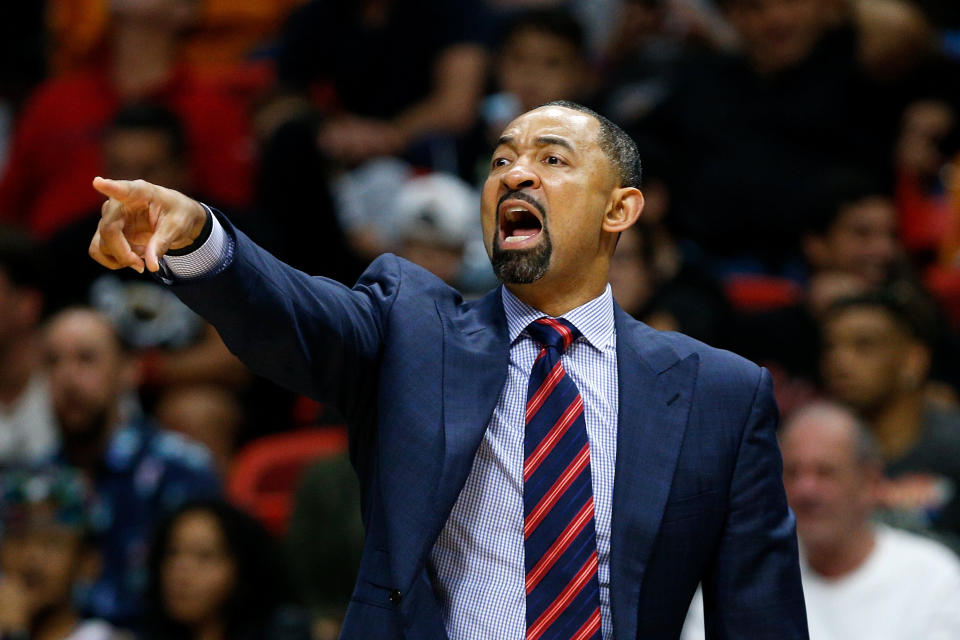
{"x":578,"y":128}
{"x":821,"y":435}
{"x":80,"y":328}
{"x":874,"y":210}
{"x":863,"y":320}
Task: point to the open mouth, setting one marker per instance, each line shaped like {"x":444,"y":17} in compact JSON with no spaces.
{"x":518,"y":222}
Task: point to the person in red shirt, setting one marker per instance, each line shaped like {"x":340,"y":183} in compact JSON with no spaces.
{"x":58,"y":137}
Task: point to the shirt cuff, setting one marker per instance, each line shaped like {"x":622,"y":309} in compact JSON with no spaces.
{"x":209,"y":258}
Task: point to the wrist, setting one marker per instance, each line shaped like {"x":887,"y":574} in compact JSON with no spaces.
{"x":199,"y":231}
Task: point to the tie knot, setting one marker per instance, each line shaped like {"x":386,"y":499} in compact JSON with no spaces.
{"x":553,"y":332}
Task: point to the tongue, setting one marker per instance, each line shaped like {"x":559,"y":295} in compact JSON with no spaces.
{"x":524,"y":231}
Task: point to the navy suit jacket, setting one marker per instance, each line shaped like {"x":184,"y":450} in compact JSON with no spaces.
{"x":697,"y":493}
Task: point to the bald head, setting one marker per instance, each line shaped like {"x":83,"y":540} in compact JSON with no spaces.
{"x":830,"y":471}
{"x":831,"y":422}
{"x":79,"y":321}
{"x":88,"y":370}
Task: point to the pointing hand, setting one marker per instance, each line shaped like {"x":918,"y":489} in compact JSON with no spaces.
{"x":140,"y":222}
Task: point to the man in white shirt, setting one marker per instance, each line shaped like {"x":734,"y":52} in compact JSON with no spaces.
{"x":860,"y":580}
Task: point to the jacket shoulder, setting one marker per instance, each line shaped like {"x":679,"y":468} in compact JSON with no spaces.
{"x":663,"y":349}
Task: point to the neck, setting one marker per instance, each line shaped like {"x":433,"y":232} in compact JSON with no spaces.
{"x":87,"y":452}
{"x":848,"y":554}
{"x":557,"y":293}
{"x":143,"y":56}
{"x":55,"y":625}
{"x":18,"y":361}
{"x":897,"y":425}
{"x":554,"y":303}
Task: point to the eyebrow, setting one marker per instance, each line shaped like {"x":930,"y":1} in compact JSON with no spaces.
{"x":541,"y":141}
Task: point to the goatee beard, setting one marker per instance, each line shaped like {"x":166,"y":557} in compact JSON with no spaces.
{"x":90,"y":432}
{"x":522,"y":266}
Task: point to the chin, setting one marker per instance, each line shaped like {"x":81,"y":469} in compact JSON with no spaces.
{"x":522,"y":266}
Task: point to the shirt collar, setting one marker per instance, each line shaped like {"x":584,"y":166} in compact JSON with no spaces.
{"x":594,"y":319}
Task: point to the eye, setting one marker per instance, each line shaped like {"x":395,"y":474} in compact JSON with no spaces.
{"x":499,"y":162}
{"x":554,"y":160}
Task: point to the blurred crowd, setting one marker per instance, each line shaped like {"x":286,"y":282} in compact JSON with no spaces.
{"x":802,"y":179}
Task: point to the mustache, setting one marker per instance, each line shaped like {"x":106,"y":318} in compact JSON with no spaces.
{"x":522,"y":195}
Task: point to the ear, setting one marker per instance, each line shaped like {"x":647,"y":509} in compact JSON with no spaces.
{"x":33,"y":301}
{"x":90,"y":565}
{"x":873,"y":479}
{"x":626,"y":204}
{"x":916,"y":365}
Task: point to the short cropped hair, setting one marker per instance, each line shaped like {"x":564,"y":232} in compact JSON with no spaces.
{"x":844,"y":187}
{"x":908,"y":307}
{"x":153,"y":117}
{"x":557,"y":22}
{"x":615,"y":143}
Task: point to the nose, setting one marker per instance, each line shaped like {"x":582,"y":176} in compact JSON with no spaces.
{"x":520,"y":176}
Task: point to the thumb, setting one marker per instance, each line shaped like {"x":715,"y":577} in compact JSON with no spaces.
{"x":157,"y":246}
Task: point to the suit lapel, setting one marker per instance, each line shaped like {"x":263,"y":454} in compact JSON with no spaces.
{"x":475,"y":360}
{"x":655,"y":392}
{"x":476,"y":354}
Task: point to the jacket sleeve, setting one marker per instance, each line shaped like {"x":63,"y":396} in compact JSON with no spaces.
{"x":310,"y":334}
{"x":752,"y":589}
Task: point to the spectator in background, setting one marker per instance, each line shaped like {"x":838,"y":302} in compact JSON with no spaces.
{"x":207,"y":413}
{"x":378,"y":102}
{"x":876,"y":359}
{"x":850,"y":246}
{"x":653,"y":282}
{"x":142,"y":139}
{"x":28,"y":431}
{"x":430,"y":219}
{"x":224,"y":34}
{"x":928,"y":191}
{"x":57,"y":143}
{"x":541,"y":57}
{"x":861,"y":581}
{"x":215,"y":574}
{"x":745,"y":138}
{"x":436,"y":218}
{"x":175,"y":346}
{"x":640,"y":60}
{"x":46,"y":554}
{"x":138,"y":471}
{"x":855,"y":231}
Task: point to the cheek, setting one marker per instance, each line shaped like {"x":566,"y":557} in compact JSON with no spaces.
{"x":215,"y":583}
{"x":488,"y":205}
{"x":59,"y":568}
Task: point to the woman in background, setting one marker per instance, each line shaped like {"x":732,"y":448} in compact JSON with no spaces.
{"x":215,"y":574}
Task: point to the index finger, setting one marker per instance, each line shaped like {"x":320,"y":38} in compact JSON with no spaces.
{"x":124,"y":190}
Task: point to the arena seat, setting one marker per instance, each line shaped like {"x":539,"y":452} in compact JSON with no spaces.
{"x":265,"y":474}
{"x":755,"y":292}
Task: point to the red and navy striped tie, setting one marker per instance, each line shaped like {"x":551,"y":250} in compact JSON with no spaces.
{"x":560,"y":541}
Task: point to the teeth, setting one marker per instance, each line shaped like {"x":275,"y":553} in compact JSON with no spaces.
{"x":513,"y":239}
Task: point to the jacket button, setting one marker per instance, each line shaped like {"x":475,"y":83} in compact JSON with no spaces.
{"x":396,"y":596}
